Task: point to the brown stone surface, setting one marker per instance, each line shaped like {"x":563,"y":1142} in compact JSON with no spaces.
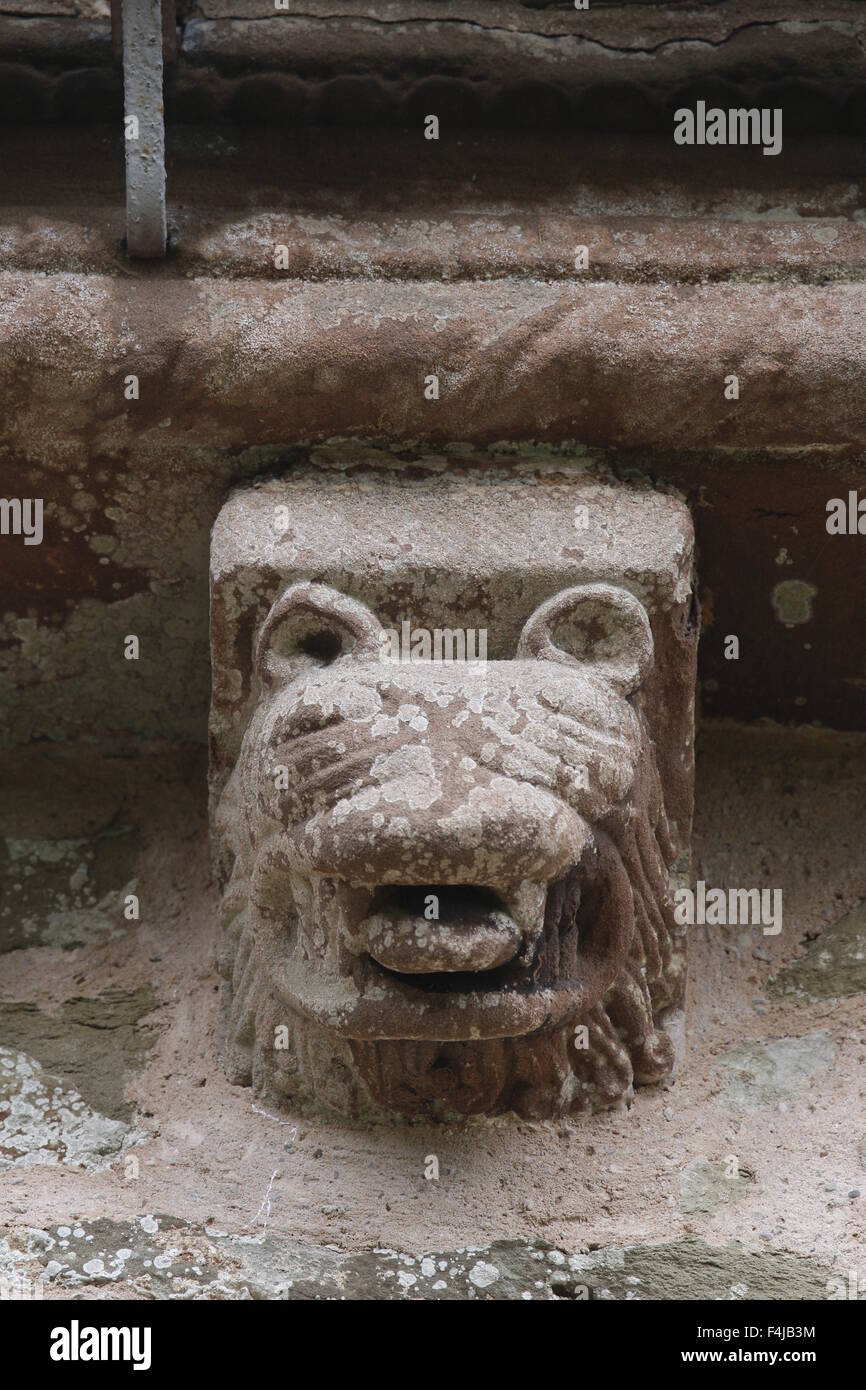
{"x":621,"y":67}
{"x":617,"y":366}
{"x":508,"y":41}
{"x":632,"y":352}
{"x":475,"y":209}
{"x":237,"y":369}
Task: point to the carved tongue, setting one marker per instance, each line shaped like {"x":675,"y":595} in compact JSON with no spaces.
{"x":470,"y":934}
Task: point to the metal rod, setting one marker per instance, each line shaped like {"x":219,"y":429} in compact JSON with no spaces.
{"x":144,"y":128}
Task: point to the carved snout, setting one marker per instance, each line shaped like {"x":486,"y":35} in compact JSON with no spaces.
{"x":501,"y":835}
{"x":454,"y":794}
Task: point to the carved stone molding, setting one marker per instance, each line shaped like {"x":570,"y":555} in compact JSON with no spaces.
{"x":476,"y":63}
{"x":452,"y":775}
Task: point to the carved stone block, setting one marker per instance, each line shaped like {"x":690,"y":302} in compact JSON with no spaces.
{"x":452,"y":764}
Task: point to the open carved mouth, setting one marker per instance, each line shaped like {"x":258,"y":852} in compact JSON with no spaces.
{"x":458,"y":961}
{"x":443,"y":936}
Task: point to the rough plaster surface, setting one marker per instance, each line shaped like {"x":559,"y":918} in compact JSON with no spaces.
{"x":835,"y":963}
{"x":602,"y":1193}
{"x":771,"y":1074}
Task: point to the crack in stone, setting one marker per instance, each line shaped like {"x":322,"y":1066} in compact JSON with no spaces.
{"x":465,"y":23}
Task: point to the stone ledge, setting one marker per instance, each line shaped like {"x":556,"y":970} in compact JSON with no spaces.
{"x":250,"y":363}
{"x":468,"y":246}
{"x":168,"y":1257}
{"x":479,"y":208}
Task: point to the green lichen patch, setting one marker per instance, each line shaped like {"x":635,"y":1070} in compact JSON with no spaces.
{"x":44,"y":1121}
{"x":162,"y":1257}
{"x":92,"y":1045}
{"x":767,"y":1073}
{"x":833,"y":967}
{"x":153,"y":1256}
{"x":65,"y":892}
{"x":706,"y":1185}
{"x":792,"y":601}
{"x":692,"y":1269}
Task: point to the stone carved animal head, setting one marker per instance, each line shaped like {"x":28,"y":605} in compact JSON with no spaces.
{"x":448,"y":889}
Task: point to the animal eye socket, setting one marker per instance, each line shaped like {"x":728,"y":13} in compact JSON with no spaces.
{"x":324,"y":645}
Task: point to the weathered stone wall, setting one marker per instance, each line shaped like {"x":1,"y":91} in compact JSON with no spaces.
{"x":323,"y":261}
{"x":126,"y":544}
{"x":539,"y":66}
{"x":244,"y":370}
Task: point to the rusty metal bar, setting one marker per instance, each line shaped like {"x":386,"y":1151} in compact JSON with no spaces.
{"x":144,"y":128}
{"x":169,"y":31}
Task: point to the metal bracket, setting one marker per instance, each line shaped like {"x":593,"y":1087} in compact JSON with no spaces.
{"x":143,"y":27}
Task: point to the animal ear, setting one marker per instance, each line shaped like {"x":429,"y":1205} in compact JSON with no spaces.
{"x":314,"y":624}
{"x":594,"y":625}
